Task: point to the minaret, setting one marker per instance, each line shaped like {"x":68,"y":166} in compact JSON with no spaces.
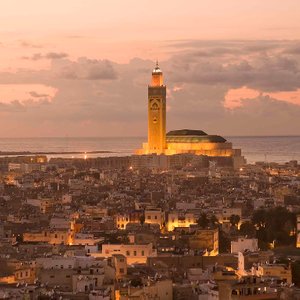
{"x":156,"y":113}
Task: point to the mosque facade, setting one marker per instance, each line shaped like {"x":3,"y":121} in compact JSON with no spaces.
{"x":179,"y":141}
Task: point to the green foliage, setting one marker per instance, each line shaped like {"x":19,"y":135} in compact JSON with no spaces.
{"x":296,"y":273}
{"x":275,"y":224}
{"x":224,"y":242}
{"x":213,"y":220}
{"x":234,"y":220}
{"x":248,"y":229}
{"x":203,"y":220}
{"x":142,"y":219}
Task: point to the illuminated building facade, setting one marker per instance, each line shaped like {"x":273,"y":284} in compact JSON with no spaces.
{"x":179,"y":141}
{"x":157,"y":113}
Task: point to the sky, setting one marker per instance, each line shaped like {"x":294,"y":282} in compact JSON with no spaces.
{"x":81,"y":68}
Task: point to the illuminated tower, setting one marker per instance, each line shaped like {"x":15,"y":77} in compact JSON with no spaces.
{"x":156,"y":113}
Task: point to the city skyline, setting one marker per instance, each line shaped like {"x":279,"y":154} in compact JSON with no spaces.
{"x":82,"y":69}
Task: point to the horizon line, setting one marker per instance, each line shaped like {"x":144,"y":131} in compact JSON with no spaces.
{"x":136,"y":136}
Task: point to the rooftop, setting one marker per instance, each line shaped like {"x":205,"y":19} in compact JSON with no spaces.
{"x":192,"y":136}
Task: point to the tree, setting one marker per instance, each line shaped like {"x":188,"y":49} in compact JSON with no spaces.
{"x":248,"y":229}
{"x":296,"y":272}
{"x":203,"y":221}
{"x":224,"y":242}
{"x":142,"y":219}
{"x":259,"y":218}
{"x":274,"y":224}
{"x":214,"y":220}
{"x":234,"y":220}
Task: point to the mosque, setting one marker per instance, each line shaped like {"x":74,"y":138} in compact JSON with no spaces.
{"x":179,"y":141}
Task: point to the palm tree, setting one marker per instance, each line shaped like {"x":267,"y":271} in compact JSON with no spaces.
{"x":234,"y":220}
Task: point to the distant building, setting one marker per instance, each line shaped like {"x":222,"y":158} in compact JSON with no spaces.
{"x":178,"y":220}
{"x":133,"y":253}
{"x":162,"y":289}
{"x":280,"y":272}
{"x":155,"y":216}
{"x":206,"y":239}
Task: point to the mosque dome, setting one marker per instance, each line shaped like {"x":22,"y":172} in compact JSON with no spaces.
{"x":192,"y":136}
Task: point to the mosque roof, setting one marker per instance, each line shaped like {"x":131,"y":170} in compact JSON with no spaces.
{"x":192,"y":136}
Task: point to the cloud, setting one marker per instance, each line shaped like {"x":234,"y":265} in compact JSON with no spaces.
{"x":55,"y":55}
{"x":28,"y":44}
{"x":267,"y":72}
{"x":25,"y":93}
{"x":294,"y":49}
{"x":38,"y":95}
{"x":234,"y":97}
{"x":49,"y":55}
{"x":266,"y":116}
{"x":259,"y":81}
{"x":84,"y":68}
{"x":13,"y":107}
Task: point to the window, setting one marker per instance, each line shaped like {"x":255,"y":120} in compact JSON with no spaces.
{"x":149,"y":217}
{"x":143,"y":253}
{"x":55,"y":236}
{"x":155,"y":217}
{"x":128,"y":253}
{"x":134,"y":253}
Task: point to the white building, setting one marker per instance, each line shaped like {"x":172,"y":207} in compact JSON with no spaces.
{"x":243,"y":244}
{"x":154,"y":216}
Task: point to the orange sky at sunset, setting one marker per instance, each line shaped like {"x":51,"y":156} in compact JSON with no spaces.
{"x":71,"y":61}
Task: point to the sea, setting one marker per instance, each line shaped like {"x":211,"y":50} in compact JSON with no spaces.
{"x":278,"y":149}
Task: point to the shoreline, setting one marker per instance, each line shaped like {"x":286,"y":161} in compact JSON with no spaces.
{"x":26,"y":153}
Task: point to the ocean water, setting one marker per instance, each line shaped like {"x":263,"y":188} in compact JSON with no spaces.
{"x":255,"y":148}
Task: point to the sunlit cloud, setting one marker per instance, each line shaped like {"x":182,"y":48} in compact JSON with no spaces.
{"x":234,"y":97}
{"x":26,"y":92}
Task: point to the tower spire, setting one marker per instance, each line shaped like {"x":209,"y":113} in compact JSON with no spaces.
{"x":156,"y":112}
